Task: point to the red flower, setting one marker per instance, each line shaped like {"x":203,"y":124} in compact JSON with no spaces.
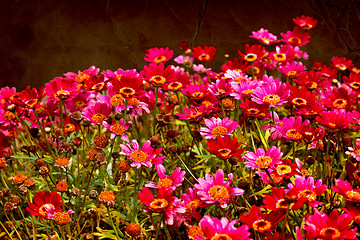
{"x":305,"y":22}
{"x":338,"y":98}
{"x":301,"y":97}
{"x":180,"y":80}
{"x":205,"y":53}
{"x":253,"y":53}
{"x":296,"y":37}
{"x":310,"y":80}
{"x":158,"y":55}
{"x":237,"y":64}
{"x":96,"y":83}
{"x":254,"y":110}
{"x":225,"y":148}
{"x":277,"y":202}
{"x":30,"y":97}
{"x":45,"y":205}
{"x":353,"y":81}
{"x":341,"y":63}
{"x":334,"y":120}
{"x":157,"y":74}
{"x":128,"y":85}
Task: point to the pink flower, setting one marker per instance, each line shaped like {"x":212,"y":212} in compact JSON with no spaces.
{"x":345,"y":189}
{"x":292,"y":128}
{"x":145,"y":156}
{"x":158,"y":55}
{"x":217,"y":127}
{"x":334,"y":120}
{"x":194,"y":114}
{"x":157,"y":74}
{"x":118,"y":129}
{"x":296,"y":37}
{"x":292,"y":69}
{"x":262,"y":159}
{"x":97,"y":113}
{"x":172,"y":181}
{"x":355,"y":153}
{"x":214,"y":189}
{"x":244,"y":88}
{"x":216,"y":229}
{"x":191,"y":201}
{"x":61,"y":89}
{"x":196,"y":92}
{"x":264,"y":36}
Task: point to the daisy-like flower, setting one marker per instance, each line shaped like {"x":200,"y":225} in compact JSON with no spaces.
{"x":236,"y":65}
{"x":200,"y":68}
{"x":264,"y":36}
{"x":118,"y":129}
{"x":97,"y":113}
{"x":305,"y":22}
{"x":341,"y":63}
{"x":353,"y":211}
{"x":222,"y":229}
{"x":164,"y":203}
{"x":254,"y":110}
{"x":62,"y":162}
{"x":172,"y":181}
{"x":334,"y":120}
{"x":205,"y":53}
{"x":244,"y":89}
{"x":194,"y":114}
{"x":96,"y":83}
{"x":307,"y":188}
{"x":301,"y":97}
{"x":328,"y":74}
{"x":253,"y":53}
{"x":355,"y":153}
{"x":237,"y":76}
{"x":262,"y":159}
{"x":292,"y":128}
{"x":296,"y":37}
{"x":157,"y":74}
{"x":128,"y":85}
{"x":353,"y":81}
{"x":310,"y":80}
{"x":186,"y":60}
{"x":292,"y":69}
{"x":82,"y":76}
{"x":107,"y":197}
{"x":332,"y":226}
{"x":277,"y":202}
{"x":225,"y":147}
{"x":221,"y":88}
{"x":191,"y":201}
{"x":30,"y":98}
{"x":273,"y":92}
{"x":345,"y":189}
{"x":158,"y":55}
{"x":283,"y":54}
{"x":61,"y":89}
{"x":196,"y":92}
{"x":214,"y":190}
{"x":180,"y":80}
{"x":45,"y":204}
{"x":146,"y":156}
{"x":217,"y":127}
{"x":81,"y":101}
{"x":262,"y":222}
{"x":338,"y":98}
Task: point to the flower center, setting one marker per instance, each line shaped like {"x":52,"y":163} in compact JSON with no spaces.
{"x":279,"y":57}
{"x":291,"y":73}
{"x":294,"y":41}
{"x":250,"y":57}
{"x":220,"y":91}
{"x":30,"y":103}
{"x":355,"y":85}
{"x":294,"y":134}
{"x":117,"y":129}
{"x":219,"y":131}
{"x":117,"y":100}
{"x":263,"y":162}
{"x":127,"y":92}
{"x":330,"y":233}
{"x":261,"y":225}
{"x":283,"y":169}
{"x":310,"y":195}
{"x":62,"y":162}
{"x":79,"y":104}
{"x":281,"y":204}
{"x":174,"y":86}
{"x":98,"y":87}
{"x":158,"y":204}
{"x":204,"y":57}
{"x":218,"y":193}
{"x":134,"y":102}
{"x":253,"y":111}
{"x":271,"y":99}
{"x":160,"y":59}
{"x":353,"y":195}
{"x":81,"y":77}
{"x":311,"y":85}
{"x":47,"y":209}
{"x":224,"y":152}
{"x":247,"y":92}
{"x":193,"y":205}
{"x":341,"y":67}
{"x":165,"y":183}
{"x":9,"y":116}
{"x":265,"y":40}
{"x":98,"y":117}
{"x":157,"y":80}
{"x":221,"y":236}
{"x":357,"y":152}
{"x":69,"y":128}
{"x":138,"y":156}
{"x":340,"y":103}
{"x":62,"y":94}
{"x":227,"y":103}
{"x":299,"y":101}
{"x":197,"y":95}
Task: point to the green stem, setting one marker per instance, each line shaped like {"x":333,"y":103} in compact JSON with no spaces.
{"x":155,"y":108}
{"x":112,"y":223}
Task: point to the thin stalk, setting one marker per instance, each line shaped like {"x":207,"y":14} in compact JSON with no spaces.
{"x":155,"y":108}
{"x":6,"y":230}
{"x":112,"y":223}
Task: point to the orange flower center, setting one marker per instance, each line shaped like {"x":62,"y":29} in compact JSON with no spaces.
{"x":341,"y":67}
{"x":218,"y":193}
{"x":8,"y":116}
{"x":330,"y":233}
{"x":81,"y":77}
{"x":61,"y":218}
{"x":98,"y":117}
{"x":263,"y":162}
{"x":340,"y":103}
{"x":253,"y":111}
{"x":69,"y":128}
{"x":271,"y":99}
{"x":227,"y":103}
{"x":250,"y":57}
{"x":127,"y":92}
{"x":107,"y":196}
{"x":62,"y":95}
{"x":46,"y":208}
{"x":117,"y":129}
{"x":357,"y":152}
{"x":117,"y":100}
{"x":353,"y":195}
{"x":193,"y":205}
{"x":283,"y":169}
{"x":311,"y":85}
{"x":224,"y":152}
{"x":247,"y":92}
{"x":279,"y":57}
{"x":134,"y":102}
{"x":291,"y":73}
{"x":160,"y":59}
{"x":265,"y":40}
{"x":197,"y":95}
{"x":309,"y":194}
{"x":204,"y":57}
{"x":30,"y":103}
{"x":165,"y":183}
{"x":158,"y":204}
{"x":138,"y":156}
{"x":221,"y":236}
{"x":281,"y":204}
{"x":98,"y":86}
{"x":238,"y":79}
{"x":62,"y":162}
{"x":261,"y":225}
{"x":294,"y":41}
{"x":355,"y":85}
{"x":299,"y":101}
{"x":157,"y":80}
{"x":79,"y":104}
{"x":174,"y":86}
{"x":294,"y":134}
{"x":219,"y":131}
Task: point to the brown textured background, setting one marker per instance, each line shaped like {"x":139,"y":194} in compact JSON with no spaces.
{"x":42,"y":39}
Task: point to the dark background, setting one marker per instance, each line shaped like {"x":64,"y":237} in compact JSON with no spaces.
{"x":43,"y":39}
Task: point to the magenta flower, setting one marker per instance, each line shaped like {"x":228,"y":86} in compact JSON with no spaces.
{"x":158,"y":55}
{"x":61,"y":89}
{"x":292,"y":128}
{"x":157,"y":74}
{"x":345,"y":189}
{"x":216,"y":229}
{"x":355,"y":153}
{"x":334,"y":120}
{"x":334,"y":226}
{"x":244,"y":88}
{"x":97,"y":113}
{"x":118,"y":129}
{"x":292,"y":69}
{"x":296,"y":37}
{"x":221,"y":88}
{"x":196,"y":92}
{"x":145,"y":156}
{"x":191,"y":201}
{"x":264,"y":36}
{"x":262,"y":159}
{"x":194,"y":114}
{"x":214,"y":189}
{"x":217,"y":127}
{"x":172,"y":181}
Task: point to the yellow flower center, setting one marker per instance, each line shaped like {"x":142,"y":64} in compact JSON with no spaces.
{"x":227,"y":103}
{"x":157,"y":80}
{"x":340,"y":103}
{"x":291,"y":74}
{"x":238,"y":79}
{"x":253,"y":111}
{"x":219,"y":131}
{"x":341,"y":67}
{"x":283,"y":169}
{"x":204,"y":57}
{"x":330,"y":233}
{"x":271,"y":99}
{"x":117,"y":129}
{"x":279,"y":57}
{"x":98,"y":87}
{"x":30,"y":103}
{"x":357,"y":152}
{"x":261,"y":225}
{"x":197,"y":95}
{"x":221,"y":236}
{"x":218,"y":193}
{"x":98,"y":117}
{"x":355,"y":85}
{"x":311,"y":85}
{"x":158,"y":204}
{"x":127,"y":92}
{"x":281,"y":204}
{"x":224,"y":152}
{"x":263,"y":162}
{"x":117,"y":100}
{"x":247,"y":92}
{"x":9,"y":116}
{"x":174,"y":86}
{"x":250,"y":57}
{"x":160,"y":59}
{"x":309,"y":194}
{"x":138,"y":156}
{"x":79,"y":104}
{"x":134,"y":102}
{"x":265,"y":40}
{"x":299,"y":101}
{"x":82,"y":77}
{"x":165,"y":183}
{"x":62,"y":95}
{"x":353,"y":195}
{"x":294,"y":41}
{"x":294,"y":134}
{"x":46,"y":208}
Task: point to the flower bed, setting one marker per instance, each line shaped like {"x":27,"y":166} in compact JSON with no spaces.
{"x":265,"y":149}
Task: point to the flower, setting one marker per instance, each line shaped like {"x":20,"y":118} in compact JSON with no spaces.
{"x":355,"y":153}
{"x":301,"y":97}
{"x":225,"y":147}
{"x":118,"y":129}
{"x":157,"y":74}
{"x":205,"y":53}
{"x":345,"y":189}
{"x":244,"y":88}
{"x":353,"y":81}
{"x":194,"y":114}
{"x":262,"y":159}
{"x":296,"y":37}
{"x":61,"y":218}
{"x":217,"y":127}
{"x":195,"y":91}
{"x":180,"y":80}
{"x":277,"y":201}
{"x":107,"y":197}
{"x":222,"y":229}
{"x":221,"y":88}
{"x":158,"y":55}
{"x":62,"y":162}
{"x":62,"y":186}
{"x":145,"y":156}
{"x":191,"y":201}
{"x":97,"y":113}
{"x":264,"y":36}
{"x":292,"y":128}
{"x":334,"y":120}
{"x":338,"y":98}
{"x":172,"y":181}
{"x":353,"y":211}
{"x":128,"y":84}
{"x":214,"y":190}
{"x":332,"y":226}
{"x":341,"y":63}
{"x":253,"y":53}
{"x":96,"y":83}
{"x":45,"y":204}
{"x":292,"y":69}
{"x":310,"y":80}
{"x":254,"y":110}
{"x":61,"y":89}
{"x":30,"y":98}
{"x":305,"y":22}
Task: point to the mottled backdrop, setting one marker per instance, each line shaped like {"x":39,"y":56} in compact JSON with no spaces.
{"x":43,"y":39}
